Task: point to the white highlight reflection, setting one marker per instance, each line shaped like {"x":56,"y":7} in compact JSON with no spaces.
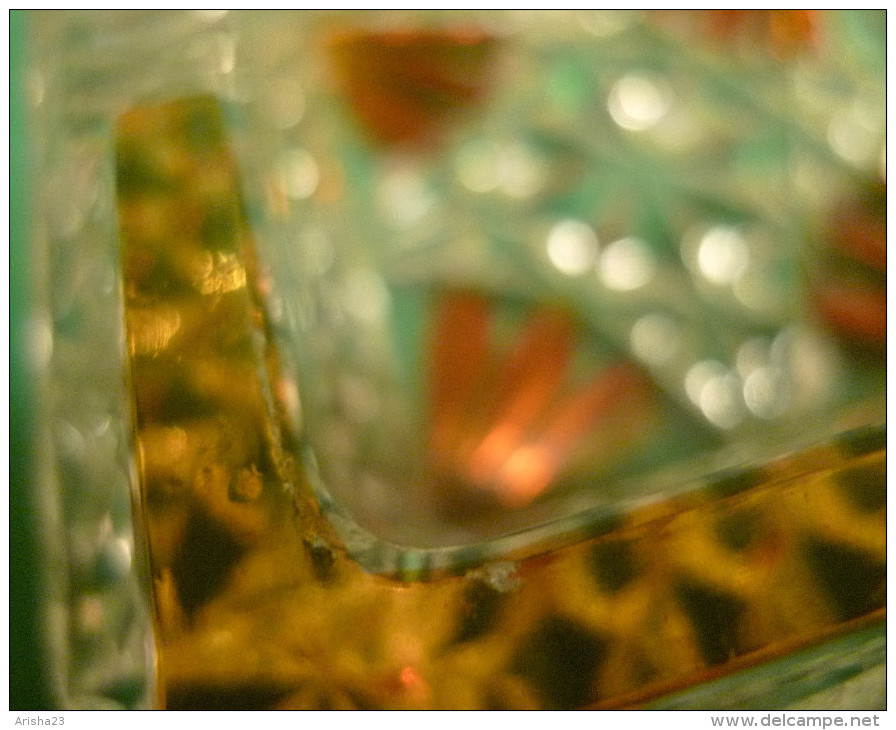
{"x":637,"y":102}
{"x":655,"y":338}
{"x":720,"y":401}
{"x":405,"y":197}
{"x":300,"y":174}
{"x":767,"y":392}
{"x":572,"y":247}
{"x":512,"y":168}
{"x":722,"y":255}
{"x":716,"y":390}
{"x":854,"y":133}
{"x":626,"y":264}
{"x":40,"y":341}
{"x":520,"y":171}
{"x":699,"y":375}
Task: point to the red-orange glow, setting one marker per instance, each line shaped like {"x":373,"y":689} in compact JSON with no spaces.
{"x":620,"y":389}
{"x":782,"y":32}
{"x":493,"y":451}
{"x":854,"y":310}
{"x":410,"y":676}
{"x":507,"y":422}
{"x":413,"y":685}
{"x":405,"y":86}
{"x":850,"y":292}
{"x":521,"y":391}
{"x":458,"y":357}
{"x":617,"y":395}
{"x":779,"y":32}
{"x":525,"y":474}
{"x":532,"y":373}
{"x":859,"y":229}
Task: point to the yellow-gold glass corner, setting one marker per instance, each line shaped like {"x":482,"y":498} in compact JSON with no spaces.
{"x":459,"y":360}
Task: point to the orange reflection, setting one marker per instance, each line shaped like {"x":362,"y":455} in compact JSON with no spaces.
{"x":850,"y":290}
{"x":406,"y":86}
{"x":458,"y":355}
{"x":781,"y":32}
{"x":508,"y":421}
{"x":522,"y":390}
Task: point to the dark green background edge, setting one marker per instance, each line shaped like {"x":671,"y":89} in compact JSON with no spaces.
{"x":28,"y":683}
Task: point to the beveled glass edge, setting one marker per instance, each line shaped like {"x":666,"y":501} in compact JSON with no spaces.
{"x":802,"y":677}
{"x":704,"y":477}
{"x":409,"y":563}
{"x":81,"y":69}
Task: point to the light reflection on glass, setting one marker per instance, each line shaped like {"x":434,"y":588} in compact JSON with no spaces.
{"x":527,"y":472}
{"x":301,"y":174}
{"x":404,"y":197}
{"x":226,"y":53}
{"x":720,"y":400}
{"x":40,"y":341}
{"x":626,"y":264}
{"x":512,"y":168}
{"x":35,"y":88}
{"x":811,"y":360}
{"x":699,"y":375}
{"x":288,"y":395}
{"x":210,"y":15}
{"x":117,"y":554}
{"x":760,"y":292}
{"x":520,"y":171}
{"x":767,"y":392}
{"x":90,"y":614}
{"x":655,"y":338}
{"x":637,"y":102}
{"x":852,"y":141}
{"x":572,"y":247}
{"x":69,"y":440}
{"x":854,"y":133}
{"x":722,"y":255}
{"x":70,"y":191}
{"x":716,"y":390}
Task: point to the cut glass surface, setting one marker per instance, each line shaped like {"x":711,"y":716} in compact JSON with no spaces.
{"x":546,"y":347}
{"x":562,"y":267}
